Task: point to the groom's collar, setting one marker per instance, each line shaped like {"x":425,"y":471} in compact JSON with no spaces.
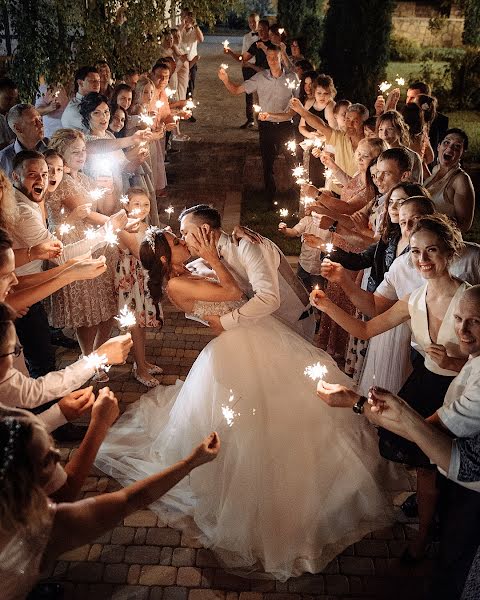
{"x":223,"y":241}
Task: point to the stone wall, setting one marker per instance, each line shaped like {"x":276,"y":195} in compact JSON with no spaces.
{"x":416,"y":29}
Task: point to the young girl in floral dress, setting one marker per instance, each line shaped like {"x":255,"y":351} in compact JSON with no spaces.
{"x":131,"y":285}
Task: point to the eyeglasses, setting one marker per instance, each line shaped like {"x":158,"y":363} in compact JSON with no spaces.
{"x":16,"y":352}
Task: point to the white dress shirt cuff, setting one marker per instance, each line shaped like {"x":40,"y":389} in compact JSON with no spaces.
{"x":52,"y":418}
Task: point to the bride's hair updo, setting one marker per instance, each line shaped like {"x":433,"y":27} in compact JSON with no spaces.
{"x":154,"y":246}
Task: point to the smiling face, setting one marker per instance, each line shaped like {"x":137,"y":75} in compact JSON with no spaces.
{"x":117,"y":122}
{"x":467,"y":323}
{"x":75,"y":155}
{"x":99,"y":119}
{"x":31,"y":178}
{"x":394,"y":205}
{"x":138,"y":206}
{"x":388,"y":175}
{"x":429,"y":254}
{"x":364,"y":154}
{"x":450,"y":150}
{"x":55,"y":172}
{"x":354,"y":124}
{"x":8,"y":279}
{"x":124,"y":99}
{"x":388,"y":133}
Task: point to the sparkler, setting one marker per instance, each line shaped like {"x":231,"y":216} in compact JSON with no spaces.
{"x":134,"y":212}
{"x":318,"y":143}
{"x":283,"y":212}
{"x":103,"y":166}
{"x":110,"y":236}
{"x":124,"y":200}
{"x":176,"y":118}
{"x":400,"y":80}
{"x":307,"y":200}
{"x":299,"y":171}
{"x":328,"y":173}
{"x":65,"y":228}
{"x":227,"y":411}
{"x":90,"y":233}
{"x":56,"y":94}
{"x":384,"y":86}
{"x":97,"y":193}
{"x":281,"y":31}
{"x":169,"y":210}
{"x":224,"y":66}
{"x":316,"y":371}
{"x":291,"y":84}
{"x":147,"y":119}
{"x":97,"y":361}
{"x":190,"y":104}
{"x":291,"y":146}
{"x":226,"y":44}
{"x":257,"y":108}
{"x":126,"y":318}
{"x":329,"y":247}
{"x":170,"y":93}
{"x":302,"y":181}
{"x":159,"y":104}
{"x":62,"y":211}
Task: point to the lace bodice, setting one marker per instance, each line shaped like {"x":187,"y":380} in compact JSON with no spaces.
{"x":201,"y":309}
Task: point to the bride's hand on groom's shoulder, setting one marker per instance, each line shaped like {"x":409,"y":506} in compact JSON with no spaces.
{"x":206,"y":451}
{"x":244,"y":233}
{"x":336,"y":395}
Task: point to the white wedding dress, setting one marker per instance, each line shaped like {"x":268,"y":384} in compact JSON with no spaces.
{"x":295,"y":481}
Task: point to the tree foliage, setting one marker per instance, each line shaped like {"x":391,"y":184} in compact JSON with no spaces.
{"x":303,"y":19}
{"x":355,"y":48}
{"x":471,"y":28}
{"x":56,"y":36}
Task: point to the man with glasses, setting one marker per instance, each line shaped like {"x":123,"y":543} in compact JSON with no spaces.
{"x":87,"y":79}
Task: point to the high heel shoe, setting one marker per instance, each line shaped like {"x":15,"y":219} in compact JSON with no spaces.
{"x":150,"y":383}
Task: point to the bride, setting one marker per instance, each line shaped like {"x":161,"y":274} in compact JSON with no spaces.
{"x":296,"y":481}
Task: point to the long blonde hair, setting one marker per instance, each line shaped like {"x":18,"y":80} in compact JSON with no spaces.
{"x":8,"y":206}
{"x":138,"y":93}
{"x":62,"y":138}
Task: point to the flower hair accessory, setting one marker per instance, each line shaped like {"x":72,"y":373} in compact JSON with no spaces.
{"x":7,"y":453}
{"x":425,"y":106}
{"x":150,"y":234}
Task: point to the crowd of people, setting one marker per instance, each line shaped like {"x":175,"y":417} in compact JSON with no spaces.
{"x":386,"y":295}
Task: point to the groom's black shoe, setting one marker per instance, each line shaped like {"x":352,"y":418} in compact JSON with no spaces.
{"x":306,"y":314}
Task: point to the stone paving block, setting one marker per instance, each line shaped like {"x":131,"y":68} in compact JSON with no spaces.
{"x":175,"y":593}
{"x":251,"y":596}
{"x":372,"y":548}
{"x":208,"y":575}
{"x":163,"y":536}
{"x":100,"y":591}
{"x":85,"y":572}
{"x":95,"y":552}
{"x":141,"y":518}
{"x":206,"y":558}
{"x":130,"y":592}
{"x":142,"y":555}
{"x":158,"y":575}
{"x":166,"y":556}
{"x":156,"y":593}
{"x":123,"y":535}
{"x":281,"y":597}
{"x":115,"y":573}
{"x":183,"y":557}
{"x":262,"y":585}
{"x":133,"y":574}
{"x":189,"y":576}
{"x":189,"y":542}
{"x":206,"y":595}
{"x":332,"y":567}
{"x":80,"y":553}
{"x":281,"y":586}
{"x":307,"y":584}
{"x":337,"y":584}
{"x":112,"y":553}
{"x":140,"y":535}
{"x":231,"y":596}
{"x":356,"y":565}
{"x":228,"y":581}
{"x":60,"y":570}
{"x":104,"y":539}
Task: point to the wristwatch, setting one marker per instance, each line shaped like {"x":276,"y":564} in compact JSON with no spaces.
{"x":358,"y":406}
{"x":333,"y":227}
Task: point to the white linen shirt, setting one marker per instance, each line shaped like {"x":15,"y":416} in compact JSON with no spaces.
{"x":71,"y":117}
{"x":189,"y":43}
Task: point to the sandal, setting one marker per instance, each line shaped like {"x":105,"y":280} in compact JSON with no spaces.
{"x":154,"y":370}
{"x":149,"y":383}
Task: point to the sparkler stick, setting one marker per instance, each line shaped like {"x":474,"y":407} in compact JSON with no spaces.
{"x":307,"y":200}
{"x":134,"y":212}
{"x":190,"y":104}
{"x":291,"y":146}
{"x":400,"y":80}
{"x":110,"y":236}
{"x":65,"y":228}
{"x":170,"y":93}
{"x":98,"y":193}
{"x":124,"y":200}
{"x":226,"y":44}
{"x":147,"y":120}
{"x":257,"y":108}
{"x":281,"y":31}
{"x":283,"y":212}
{"x":126,"y":318}
{"x":159,"y":104}
{"x":90,"y":233}
{"x":224,"y":66}
{"x":169,"y":210}
{"x":298,"y":171}
{"x":384,"y":86}
{"x":98,"y":362}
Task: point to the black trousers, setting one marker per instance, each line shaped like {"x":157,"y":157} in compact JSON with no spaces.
{"x":33,"y":332}
{"x":273,"y":137}
{"x":248,"y":74}
{"x":459,"y":539}
{"x":191,"y":80}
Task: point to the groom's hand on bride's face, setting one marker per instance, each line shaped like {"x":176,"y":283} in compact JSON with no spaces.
{"x":215,"y":324}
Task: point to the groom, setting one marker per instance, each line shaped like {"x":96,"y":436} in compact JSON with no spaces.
{"x":261,"y":270}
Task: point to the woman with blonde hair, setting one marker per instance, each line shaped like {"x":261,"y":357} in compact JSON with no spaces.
{"x":391,"y":128}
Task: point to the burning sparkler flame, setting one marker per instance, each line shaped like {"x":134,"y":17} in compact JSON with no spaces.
{"x":126,"y":318}
{"x":316,"y":371}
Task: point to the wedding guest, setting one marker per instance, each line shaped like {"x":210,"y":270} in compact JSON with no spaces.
{"x":257,"y":50}
{"x":418,"y":133}
{"x":131,"y":287}
{"x":33,"y":528}
{"x":50,"y":103}
{"x":122,"y":96}
{"x":190,"y":36}
{"x":8,"y":98}
{"x":26,"y":123}
{"x":131,"y":78}
{"x":433,"y":243}
{"x":275,"y":126}
{"x":370,"y":127}
{"x":450,"y":186}
{"x":439,"y":125}
{"x":106,"y":87}
{"x":87,"y":79}
{"x":20,"y":391}
{"x":247,"y":41}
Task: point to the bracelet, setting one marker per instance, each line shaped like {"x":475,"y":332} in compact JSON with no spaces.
{"x":358,"y":407}
{"x":333,"y":227}
{"x":29,"y":254}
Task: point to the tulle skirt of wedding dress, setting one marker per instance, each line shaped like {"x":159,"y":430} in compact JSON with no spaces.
{"x":295,"y":481}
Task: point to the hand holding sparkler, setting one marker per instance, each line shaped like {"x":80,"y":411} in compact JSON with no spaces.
{"x":205,"y":452}
{"x":296,"y":105}
{"x":336,"y":395}
{"x":319,"y":299}
{"x":118,"y":221}
{"x":116,"y":349}
{"x":46,"y":250}
{"x":282,"y":227}
{"x":263,"y":116}
{"x":223,"y":75}
{"x":392,"y":99}
{"x":332,"y":271}
{"x":80,"y":212}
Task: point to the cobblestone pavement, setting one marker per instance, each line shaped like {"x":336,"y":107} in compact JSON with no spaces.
{"x":142,"y":560}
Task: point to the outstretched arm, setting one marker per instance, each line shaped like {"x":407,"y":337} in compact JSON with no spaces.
{"x":233,"y":88}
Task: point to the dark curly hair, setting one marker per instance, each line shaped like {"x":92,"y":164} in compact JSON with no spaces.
{"x":88,"y":104}
{"x":151,"y":252}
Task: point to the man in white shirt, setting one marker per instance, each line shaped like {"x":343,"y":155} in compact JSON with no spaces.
{"x":190,"y":36}
{"x":26,"y":124}
{"x":87,"y":79}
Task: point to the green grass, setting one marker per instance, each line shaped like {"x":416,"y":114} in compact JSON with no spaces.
{"x":409,"y":71}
